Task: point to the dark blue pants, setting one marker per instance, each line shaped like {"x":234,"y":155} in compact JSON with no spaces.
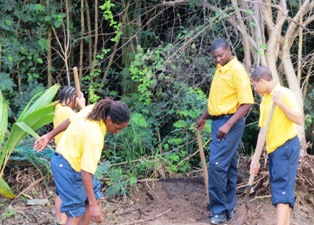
{"x":222,"y":169}
{"x":283,"y":166}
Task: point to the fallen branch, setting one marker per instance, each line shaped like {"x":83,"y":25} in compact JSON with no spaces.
{"x":147,"y":219}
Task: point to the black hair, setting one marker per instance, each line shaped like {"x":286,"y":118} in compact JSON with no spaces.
{"x":219,"y":43}
{"x":66,"y":94}
{"x":118,"y":111}
{"x":261,"y":72}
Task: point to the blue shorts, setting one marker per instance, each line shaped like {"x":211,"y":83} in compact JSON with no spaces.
{"x":283,"y":165}
{"x":70,"y":187}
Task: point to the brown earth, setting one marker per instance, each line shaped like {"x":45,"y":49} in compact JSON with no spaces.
{"x":171,"y":201}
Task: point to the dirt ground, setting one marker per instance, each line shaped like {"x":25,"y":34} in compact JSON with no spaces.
{"x":171,"y":201}
{"x":163,"y":202}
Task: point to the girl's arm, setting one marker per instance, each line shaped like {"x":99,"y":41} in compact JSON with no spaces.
{"x":43,"y":141}
{"x":94,"y":210}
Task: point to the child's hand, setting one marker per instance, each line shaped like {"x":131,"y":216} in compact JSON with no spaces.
{"x":277,"y":97}
{"x":81,"y":101}
{"x":95,"y":213}
{"x":200,"y":124}
{"x":255,"y":169}
{"x":41,"y":143}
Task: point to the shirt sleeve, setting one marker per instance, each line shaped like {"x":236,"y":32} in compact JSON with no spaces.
{"x":243,"y":85}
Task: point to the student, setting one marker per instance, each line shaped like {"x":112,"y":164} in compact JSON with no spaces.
{"x":282,"y":143}
{"x":68,"y":101}
{"x":230,"y":99}
{"x":77,"y":155}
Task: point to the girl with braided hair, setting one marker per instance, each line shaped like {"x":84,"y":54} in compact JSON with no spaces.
{"x":65,"y":108}
{"x":77,"y":156}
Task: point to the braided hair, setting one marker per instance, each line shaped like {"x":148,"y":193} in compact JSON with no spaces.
{"x":66,"y":95}
{"x":118,"y":111}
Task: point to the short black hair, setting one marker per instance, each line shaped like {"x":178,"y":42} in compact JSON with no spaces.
{"x":261,"y":72}
{"x":219,"y":43}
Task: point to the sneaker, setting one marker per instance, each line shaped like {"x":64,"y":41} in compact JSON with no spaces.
{"x":218,"y":218}
{"x":230,"y":214}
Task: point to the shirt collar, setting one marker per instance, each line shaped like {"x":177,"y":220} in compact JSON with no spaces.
{"x":103,"y":127}
{"x":226,"y":67}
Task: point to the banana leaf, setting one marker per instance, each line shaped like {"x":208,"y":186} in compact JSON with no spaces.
{"x":3,"y":118}
{"x":33,"y":117}
{"x":5,"y":189}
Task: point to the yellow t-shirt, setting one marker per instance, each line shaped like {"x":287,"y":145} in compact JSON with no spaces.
{"x":83,"y":141}
{"x":281,"y":128}
{"x":61,"y":114}
{"x":230,"y":88}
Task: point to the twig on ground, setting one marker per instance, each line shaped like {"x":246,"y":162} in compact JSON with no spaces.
{"x":259,"y":197}
{"x":147,"y":219}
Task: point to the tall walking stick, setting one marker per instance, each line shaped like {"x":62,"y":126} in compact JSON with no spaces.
{"x":203,"y":160}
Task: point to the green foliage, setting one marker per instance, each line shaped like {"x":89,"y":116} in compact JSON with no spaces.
{"x":108,"y":15}
{"x":3,"y":118}
{"x":93,"y":78}
{"x":309,"y":112}
{"x":35,"y":115}
{"x":8,"y":213}
{"x":117,"y":181}
{"x":174,"y":163}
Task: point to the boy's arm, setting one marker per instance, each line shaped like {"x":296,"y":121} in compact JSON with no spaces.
{"x":201,"y":122}
{"x":44,"y":140}
{"x":95,"y":212}
{"x":240,"y":113}
{"x":254,"y":168}
{"x":294,"y":115}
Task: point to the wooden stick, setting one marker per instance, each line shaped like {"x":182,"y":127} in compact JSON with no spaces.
{"x":77,"y":82}
{"x":203,"y":160}
{"x":258,"y":150}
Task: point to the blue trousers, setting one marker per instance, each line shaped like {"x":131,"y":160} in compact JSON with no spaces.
{"x":222,"y":169}
{"x":283,"y":166}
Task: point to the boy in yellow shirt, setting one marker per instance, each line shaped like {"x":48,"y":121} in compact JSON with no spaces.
{"x":77,"y":156}
{"x":282,"y":143}
{"x":229,"y":100}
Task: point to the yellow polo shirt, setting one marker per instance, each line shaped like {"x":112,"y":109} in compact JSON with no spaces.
{"x":82,"y":142}
{"x":281,"y":128}
{"x":62,"y":112}
{"x":230,"y":88}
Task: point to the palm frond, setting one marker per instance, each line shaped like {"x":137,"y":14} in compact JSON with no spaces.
{"x":35,"y":116}
{"x":3,"y":118}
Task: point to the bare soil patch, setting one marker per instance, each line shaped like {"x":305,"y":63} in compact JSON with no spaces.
{"x":169,"y":201}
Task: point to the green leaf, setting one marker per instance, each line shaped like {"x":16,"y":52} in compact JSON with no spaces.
{"x":5,"y":190}
{"x":42,"y":101}
{"x":43,"y":43}
{"x":180,"y":124}
{"x":3,"y":118}
{"x":33,"y":117}
{"x":39,"y":8}
{"x":139,"y":120}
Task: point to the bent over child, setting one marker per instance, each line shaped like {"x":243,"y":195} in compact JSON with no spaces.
{"x":77,"y":155}
{"x":68,"y":101}
{"x":282,"y":143}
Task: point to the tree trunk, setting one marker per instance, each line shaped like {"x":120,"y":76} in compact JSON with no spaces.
{"x":82,"y":40}
{"x":49,"y":64}
{"x":89,"y":29}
